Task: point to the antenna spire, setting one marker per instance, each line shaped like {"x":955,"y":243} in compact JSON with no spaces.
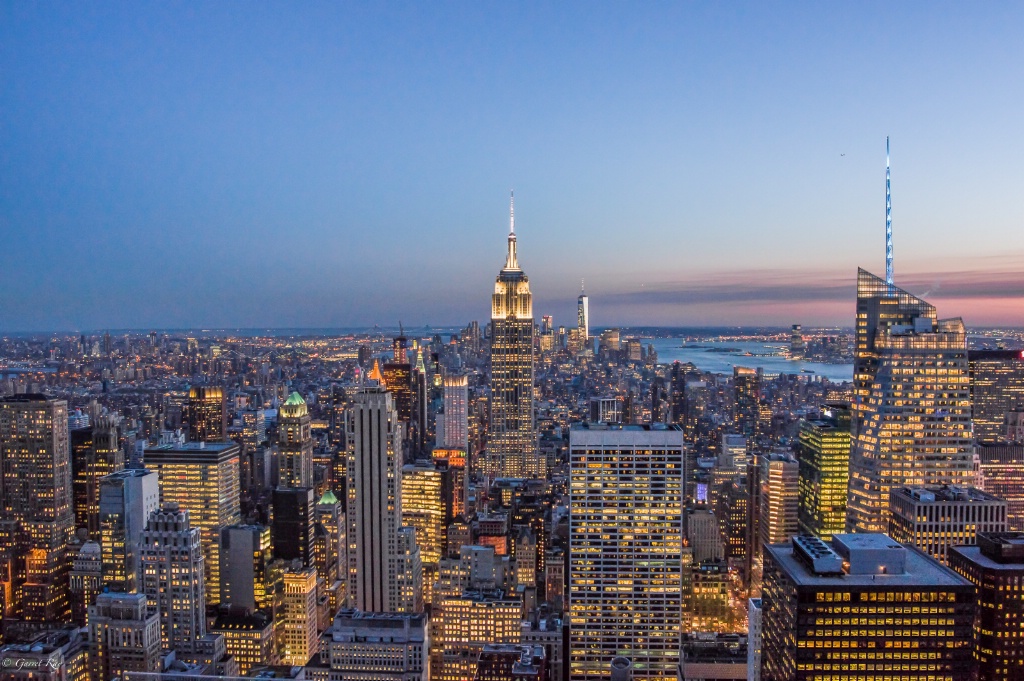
{"x":888,"y":221}
{"x":511,"y":263}
{"x":582,"y":287}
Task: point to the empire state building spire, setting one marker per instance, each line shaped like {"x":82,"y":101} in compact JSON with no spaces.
{"x":511,"y":263}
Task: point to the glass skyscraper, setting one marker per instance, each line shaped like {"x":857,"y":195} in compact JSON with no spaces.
{"x":911,"y":420}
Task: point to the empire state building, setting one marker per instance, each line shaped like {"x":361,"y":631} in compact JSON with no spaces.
{"x":512,"y":443}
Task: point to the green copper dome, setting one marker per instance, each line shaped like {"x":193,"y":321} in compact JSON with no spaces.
{"x":294,"y":400}
{"x":294,"y":407}
{"x":328,"y":498}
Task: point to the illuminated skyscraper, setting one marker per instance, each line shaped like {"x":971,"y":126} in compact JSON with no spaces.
{"x":456,"y":412}
{"x":127,"y":497}
{"x":778,"y":517}
{"x":746,"y":384}
{"x":245,"y":560}
{"x":203,"y":478}
{"x":36,"y":516}
{"x":512,"y":440}
{"x":374,"y":509}
{"x":583,"y":316}
{"x":935,"y":518}
{"x":996,"y":568}
{"x":626,"y":539}
{"x":173,"y":577}
{"x":295,"y":443}
{"x":207,"y":414}
{"x":997,"y":390}
{"x":423,"y":508}
{"x":911,"y":421}
{"x":913,"y":615}
{"x":95,"y":452}
{"x":824,"y":455}
{"x":300,"y":616}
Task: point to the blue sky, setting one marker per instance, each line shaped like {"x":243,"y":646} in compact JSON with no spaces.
{"x":303,"y":164}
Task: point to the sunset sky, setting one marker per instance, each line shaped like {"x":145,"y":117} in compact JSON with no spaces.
{"x":340,"y":164}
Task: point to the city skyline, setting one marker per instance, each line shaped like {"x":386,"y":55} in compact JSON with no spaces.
{"x":215,"y":168}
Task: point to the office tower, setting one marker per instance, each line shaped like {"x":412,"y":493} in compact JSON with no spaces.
{"x":746,"y":385}
{"x":796,"y":343}
{"x":911,"y":420}
{"x":755,"y":637}
{"x":722,"y":657}
{"x":464,"y":624}
{"x":248,"y":637}
{"x":374,"y":509}
{"x":512,"y":440}
{"x":453,"y":462}
{"x":583,"y":316}
{"x":996,"y":568}
{"x":424,"y":509}
{"x":245,"y":576}
{"x":86,"y":581}
{"x":292,"y":524}
{"x":295,"y":443}
{"x":173,"y":576}
{"x":935,"y":518}
{"x":203,"y":478}
{"x":400,"y":346}
{"x":95,"y":452}
{"x":398,"y":379}
{"x":456,"y":412}
{"x":997,"y":389}
{"x":300,"y":616}
{"x":126,"y":498}
{"x":735,"y":521}
{"x":254,"y":429}
{"x":752,"y":529}
{"x":36,"y":516}
{"x":823,"y":450}
{"x":626,"y":491}
{"x":420,"y":407}
{"x":207,"y":414}
{"x":914,"y":615}
{"x":1002,"y":471}
{"x":778,"y":518}
{"x":123,"y":636}
{"x":378,"y":646}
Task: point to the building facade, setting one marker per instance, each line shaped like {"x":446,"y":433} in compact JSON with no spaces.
{"x":936,"y":518}
{"x":626,"y":491}
{"x":824,"y":454}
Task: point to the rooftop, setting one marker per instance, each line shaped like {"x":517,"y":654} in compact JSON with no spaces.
{"x":918,"y":569}
{"x":944,"y":493}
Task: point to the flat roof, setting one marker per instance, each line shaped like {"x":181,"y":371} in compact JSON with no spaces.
{"x":921,"y":570}
{"x":974,"y":554}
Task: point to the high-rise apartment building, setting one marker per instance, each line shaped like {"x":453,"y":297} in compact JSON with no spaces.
{"x":995,"y":566}
{"x":823,"y":451}
{"x":626,"y":538}
{"x":779,"y":498}
{"x":207,"y":414}
{"x":997,"y":390}
{"x":746,"y":385}
{"x":36,"y":514}
{"x":936,"y":518}
{"x":863,"y":609}
{"x":126,"y":498}
{"x":295,"y":443}
{"x":173,"y":577}
{"x":456,"y":412}
{"x":203,"y":478}
{"x":512,"y":440}
{"x":911,"y":420}
{"x":374,"y":509}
